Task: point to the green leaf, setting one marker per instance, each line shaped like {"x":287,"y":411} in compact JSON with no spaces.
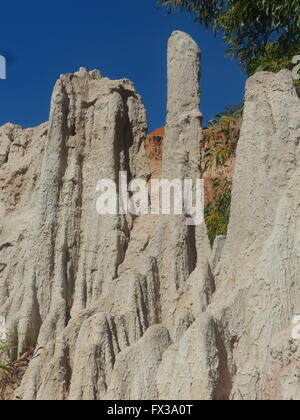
{"x":5,"y":368}
{"x":261,"y":34}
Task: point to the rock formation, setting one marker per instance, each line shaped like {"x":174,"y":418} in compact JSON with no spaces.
{"x":154,"y":150}
{"x":123,"y":307}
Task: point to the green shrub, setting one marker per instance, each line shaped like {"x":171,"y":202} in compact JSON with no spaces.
{"x":217,"y":213}
{"x":216,"y":225}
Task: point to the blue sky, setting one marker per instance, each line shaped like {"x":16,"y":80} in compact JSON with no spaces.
{"x":121,"y":38}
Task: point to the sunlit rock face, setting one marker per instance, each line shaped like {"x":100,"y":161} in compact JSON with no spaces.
{"x":123,"y":307}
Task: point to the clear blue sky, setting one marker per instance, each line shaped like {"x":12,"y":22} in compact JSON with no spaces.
{"x":121,"y":38}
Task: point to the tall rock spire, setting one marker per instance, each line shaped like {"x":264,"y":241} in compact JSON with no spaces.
{"x":183,"y":76}
{"x":181,"y":157}
{"x":181,"y":160}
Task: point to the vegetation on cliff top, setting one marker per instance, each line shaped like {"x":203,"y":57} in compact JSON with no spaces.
{"x":221,"y":140}
{"x":261,"y":34}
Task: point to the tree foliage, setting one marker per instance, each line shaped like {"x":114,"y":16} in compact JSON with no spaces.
{"x":261,"y":34}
